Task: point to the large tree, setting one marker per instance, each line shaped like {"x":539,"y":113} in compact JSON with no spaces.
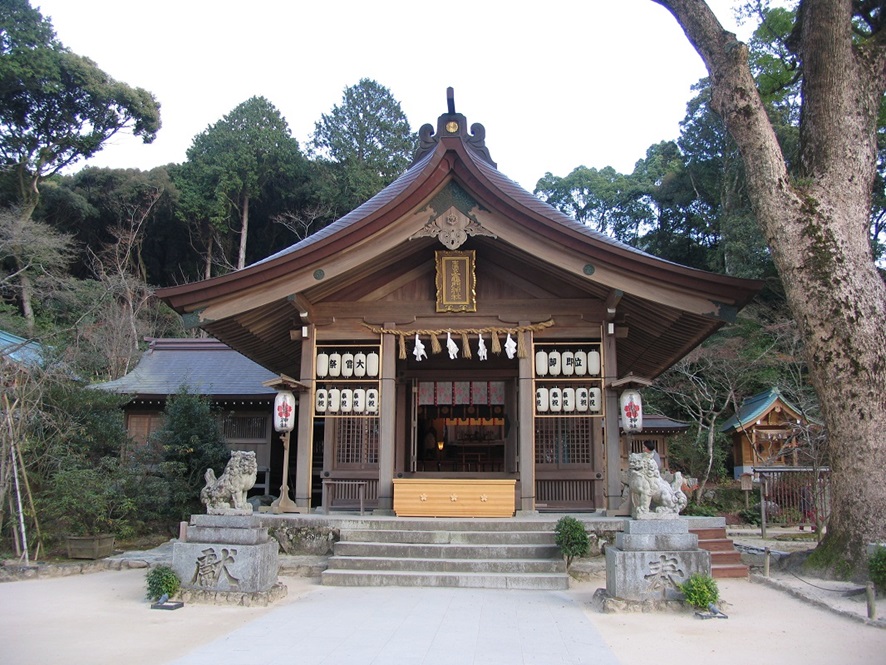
{"x":57,"y":107}
{"x":817,"y":227}
{"x":231,"y":164}
{"x":368,"y":136}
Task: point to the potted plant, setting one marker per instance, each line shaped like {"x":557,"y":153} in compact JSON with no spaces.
{"x":87,"y":507}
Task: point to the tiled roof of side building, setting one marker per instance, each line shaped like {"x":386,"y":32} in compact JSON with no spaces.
{"x":202,"y":366}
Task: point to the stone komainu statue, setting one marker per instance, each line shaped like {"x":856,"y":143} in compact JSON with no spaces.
{"x":228,"y":491}
{"x":649,"y":489}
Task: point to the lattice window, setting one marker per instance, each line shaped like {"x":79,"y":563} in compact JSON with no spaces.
{"x":246,"y":428}
{"x":563,"y":440}
{"x":356,"y":442}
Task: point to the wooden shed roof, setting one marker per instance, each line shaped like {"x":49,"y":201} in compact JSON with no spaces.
{"x":668,"y":309}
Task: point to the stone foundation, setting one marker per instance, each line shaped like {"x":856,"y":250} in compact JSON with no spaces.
{"x":651,"y":559}
{"x":227,"y":559}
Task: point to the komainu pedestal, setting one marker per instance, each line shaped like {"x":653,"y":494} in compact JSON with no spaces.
{"x":227,"y":559}
{"x":652,"y":558}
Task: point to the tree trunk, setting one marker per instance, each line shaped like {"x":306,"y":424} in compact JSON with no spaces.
{"x":26,"y":289}
{"x":207,"y":266}
{"x":817,"y":231}
{"x":244,"y":232}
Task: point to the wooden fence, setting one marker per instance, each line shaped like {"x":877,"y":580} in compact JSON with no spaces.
{"x":794,"y":496}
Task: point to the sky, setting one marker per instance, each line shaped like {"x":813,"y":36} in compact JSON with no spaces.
{"x":557,"y":84}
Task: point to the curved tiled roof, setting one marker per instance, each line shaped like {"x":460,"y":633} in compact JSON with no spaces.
{"x":660,"y":332}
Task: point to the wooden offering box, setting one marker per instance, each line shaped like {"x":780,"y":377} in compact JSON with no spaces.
{"x":453,"y":497}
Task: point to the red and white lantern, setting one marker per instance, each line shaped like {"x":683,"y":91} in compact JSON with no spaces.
{"x":631,"y":411}
{"x":284,"y":411}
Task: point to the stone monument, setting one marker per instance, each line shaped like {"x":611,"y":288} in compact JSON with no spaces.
{"x":227,"y":556}
{"x":655,"y":553}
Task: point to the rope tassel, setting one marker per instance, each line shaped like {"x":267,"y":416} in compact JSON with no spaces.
{"x":465,"y":346}
{"x":496,"y":343}
{"x":402,"y":347}
{"x":435,"y":345}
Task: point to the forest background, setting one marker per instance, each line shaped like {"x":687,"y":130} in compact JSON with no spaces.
{"x":82,"y":253}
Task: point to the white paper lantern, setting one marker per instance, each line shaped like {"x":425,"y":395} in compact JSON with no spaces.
{"x":334,"y":364}
{"x":541,"y":400}
{"x":321,"y":400}
{"x":322,"y":365}
{"x":284,"y":411}
{"x":347,"y":400}
{"x":359,"y":400}
{"x":360,"y":364}
{"x":595,"y":400}
{"x":580,"y":361}
{"x":593,"y":363}
{"x":581,"y":399}
{"x":347,"y":365}
{"x":568,"y":362}
{"x":372,"y":364}
{"x":541,"y":363}
{"x":334,"y":401}
{"x":568,"y":400}
{"x":631,"y":411}
{"x":554,"y":363}
{"x":555,"y":396}
{"x":372,"y":401}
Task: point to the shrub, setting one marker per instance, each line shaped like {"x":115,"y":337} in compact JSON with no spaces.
{"x":699,"y":510}
{"x":700,"y":590}
{"x":877,"y":568}
{"x":190,"y":441}
{"x":572,"y":539}
{"x":751,"y":515}
{"x":162,"y":580}
{"x":86,"y":501}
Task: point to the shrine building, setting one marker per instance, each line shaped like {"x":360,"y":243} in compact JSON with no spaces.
{"x":457,"y":346}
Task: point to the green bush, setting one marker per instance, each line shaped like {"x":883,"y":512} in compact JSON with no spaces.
{"x":751,"y":516}
{"x":189,"y":442}
{"x":877,"y":568}
{"x":162,"y":580}
{"x":700,"y":590}
{"x":572,"y":539}
{"x":86,"y":501}
{"x":699,"y":510}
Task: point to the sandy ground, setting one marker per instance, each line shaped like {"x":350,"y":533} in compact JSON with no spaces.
{"x":104,"y":618}
{"x":765,"y":625}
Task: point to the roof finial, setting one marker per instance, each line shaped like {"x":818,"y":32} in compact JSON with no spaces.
{"x":450,"y":100}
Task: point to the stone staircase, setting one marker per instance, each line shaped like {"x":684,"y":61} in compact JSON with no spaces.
{"x":725,"y":559}
{"x":505,"y":554}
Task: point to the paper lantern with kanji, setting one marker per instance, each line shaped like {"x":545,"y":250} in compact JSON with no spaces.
{"x":631,"y":411}
{"x":284,"y":411}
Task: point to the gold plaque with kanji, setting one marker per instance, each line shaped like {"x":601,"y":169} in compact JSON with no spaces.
{"x":456,"y":281}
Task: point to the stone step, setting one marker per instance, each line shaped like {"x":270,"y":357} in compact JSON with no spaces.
{"x":445,"y":550}
{"x":387,"y":564}
{"x":557,"y":581}
{"x":724,"y":558}
{"x":449,"y":537}
{"x":715,"y":533}
{"x":718,"y":545}
{"x":729,"y":571}
{"x":466,"y":524}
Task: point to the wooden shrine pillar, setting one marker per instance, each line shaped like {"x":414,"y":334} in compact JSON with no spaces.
{"x":526,"y":431}
{"x":305,"y":439}
{"x":387,"y":423}
{"x":612,"y":441}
